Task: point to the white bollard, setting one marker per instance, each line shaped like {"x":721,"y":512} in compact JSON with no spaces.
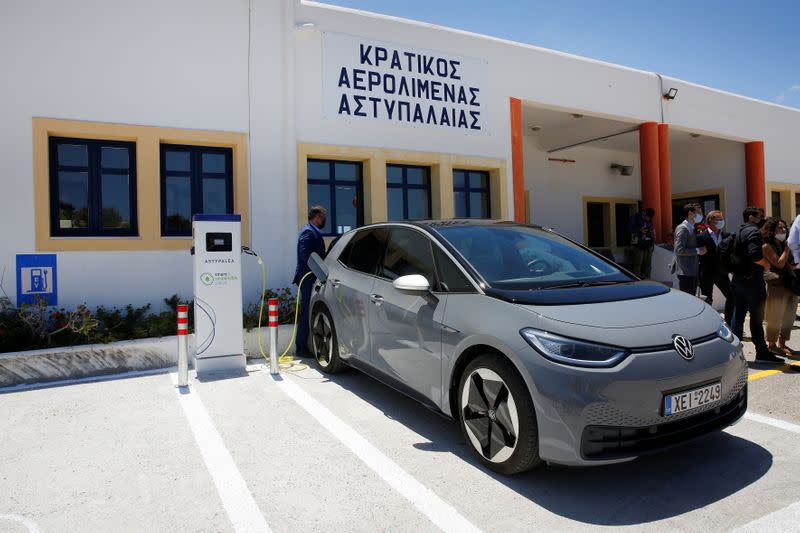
{"x":183,"y":345}
{"x":272,"y":311}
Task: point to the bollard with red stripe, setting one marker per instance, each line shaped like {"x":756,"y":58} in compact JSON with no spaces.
{"x":272,"y":312}
{"x":183,"y":345}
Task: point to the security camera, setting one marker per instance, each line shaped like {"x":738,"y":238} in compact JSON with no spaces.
{"x":625,"y":170}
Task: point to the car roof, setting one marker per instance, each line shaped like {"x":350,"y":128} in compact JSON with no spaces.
{"x":457,"y":222}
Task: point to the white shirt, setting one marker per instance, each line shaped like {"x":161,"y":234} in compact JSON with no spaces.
{"x":716,"y":237}
{"x":794,"y":239}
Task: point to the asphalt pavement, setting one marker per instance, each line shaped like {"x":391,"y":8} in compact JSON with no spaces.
{"x":310,"y":452}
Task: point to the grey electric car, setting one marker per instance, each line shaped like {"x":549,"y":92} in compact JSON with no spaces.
{"x":541,"y":349}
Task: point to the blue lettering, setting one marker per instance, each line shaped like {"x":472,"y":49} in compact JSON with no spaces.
{"x":462,"y":95}
{"x":344,"y":105}
{"x":373,"y":80}
{"x":444,"y":120}
{"x":462,"y":119}
{"x":344,"y":79}
{"x":436,"y":87}
{"x":473,"y":91}
{"x":441,"y":67}
{"x":386,"y":87}
{"x":422,"y":89}
{"x":427,"y":65}
{"x":389,"y":107}
{"x":403,"y":89}
{"x":453,"y":68}
{"x":431,"y":116}
{"x":375,"y":102}
{"x":400,"y":106}
{"x":359,"y":101}
{"x":418,"y":114}
{"x":449,"y":92}
{"x":396,"y":61}
{"x":380,"y":55}
{"x":358,"y":79}
{"x":365,"y":53}
{"x":475,"y":115}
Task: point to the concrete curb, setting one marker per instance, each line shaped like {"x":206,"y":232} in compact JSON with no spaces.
{"x":71,"y":362}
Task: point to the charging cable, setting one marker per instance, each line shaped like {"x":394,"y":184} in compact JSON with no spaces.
{"x":285,"y":361}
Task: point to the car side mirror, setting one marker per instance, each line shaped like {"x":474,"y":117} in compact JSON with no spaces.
{"x":317,"y":266}
{"x":412,"y":283}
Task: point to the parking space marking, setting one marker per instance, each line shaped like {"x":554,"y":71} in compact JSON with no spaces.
{"x":441,"y":513}
{"x":785,"y":519}
{"x":774,"y":422}
{"x":242,"y":510}
{"x":30,"y":524}
{"x":771,"y":372}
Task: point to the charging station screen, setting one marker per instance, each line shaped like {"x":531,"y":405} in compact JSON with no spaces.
{"x":218,"y":242}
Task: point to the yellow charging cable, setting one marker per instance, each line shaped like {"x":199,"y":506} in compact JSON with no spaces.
{"x":286,"y":362}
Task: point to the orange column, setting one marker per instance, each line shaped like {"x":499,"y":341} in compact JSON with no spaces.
{"x":665,"y":181}
{"x":754,"y":163}
{"x":517,"y":161}
{"x":648,"y":157}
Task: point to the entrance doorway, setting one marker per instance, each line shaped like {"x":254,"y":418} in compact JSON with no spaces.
{"x":709,"y":202}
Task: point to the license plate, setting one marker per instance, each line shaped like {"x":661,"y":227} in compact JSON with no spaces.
{"x":691,"y":399}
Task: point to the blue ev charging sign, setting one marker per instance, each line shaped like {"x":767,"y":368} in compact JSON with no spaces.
{"x":37,"y":277}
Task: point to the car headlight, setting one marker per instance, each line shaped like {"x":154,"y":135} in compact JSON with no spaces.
{"x":725,"y":333}
{"x":573,"y":352}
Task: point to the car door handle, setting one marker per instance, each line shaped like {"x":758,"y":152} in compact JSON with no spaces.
{"x":377,"y":299}
{"x":335,"y":283}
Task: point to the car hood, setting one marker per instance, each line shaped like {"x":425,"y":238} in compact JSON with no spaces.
{"x":672,"y":306}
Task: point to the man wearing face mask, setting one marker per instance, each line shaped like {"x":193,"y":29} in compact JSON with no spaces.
{"x":748,"y":287}
{"x":711,"y":273}
{"x":310,"y":241}
{"x":687,"y":251}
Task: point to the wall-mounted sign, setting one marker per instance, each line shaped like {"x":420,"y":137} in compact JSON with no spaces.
{"x":366,"y":79}
{"x":37,"y":277}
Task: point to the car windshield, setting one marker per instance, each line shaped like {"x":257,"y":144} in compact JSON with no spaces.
{"x":524,"y":258}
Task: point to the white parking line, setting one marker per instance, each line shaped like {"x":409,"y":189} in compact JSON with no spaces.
{"x":30,"y":524}
{"x":237,"y":499}
{"x":785,"y":519}
{"x":788,"y":426}
{"x":442,"y":514}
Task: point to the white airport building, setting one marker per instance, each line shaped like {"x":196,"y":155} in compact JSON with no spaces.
{"x":120,"y":120}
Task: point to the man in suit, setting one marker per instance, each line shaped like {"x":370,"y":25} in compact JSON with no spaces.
{"x":711,"y":273}
{"x":310,"y":241}
{"x":640,"y":226}
{"x":686,"y":251}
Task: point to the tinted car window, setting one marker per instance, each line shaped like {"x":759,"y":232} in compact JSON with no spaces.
{"x":451,"y":279}
{"x":407,"y":252}
{"x":363,"y":252}
{"x":522,"y":258}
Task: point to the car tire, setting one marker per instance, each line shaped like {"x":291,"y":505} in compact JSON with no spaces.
{"x":324,"y":342}
{"x":497,"y":417}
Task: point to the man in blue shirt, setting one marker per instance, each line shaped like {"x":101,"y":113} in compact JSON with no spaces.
{"x":310,"y":241}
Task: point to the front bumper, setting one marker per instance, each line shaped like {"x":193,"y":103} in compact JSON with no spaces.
{"x":607,"y":442}
{"x":599,"y":416}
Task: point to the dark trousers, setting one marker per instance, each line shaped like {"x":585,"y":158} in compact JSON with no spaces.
{"x":688,"y":284}
{"x":641,"y":261}
{"x":301,"y":344}
{"x":749,"y":295}
{"x":723,"y":283}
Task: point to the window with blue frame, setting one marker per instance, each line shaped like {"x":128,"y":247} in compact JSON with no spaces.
{"x":471,"y":194}
{"x":408,"y":192}
{"x":92,"y":188}
{"x":336,"y":186}
{"x":194,"y":179}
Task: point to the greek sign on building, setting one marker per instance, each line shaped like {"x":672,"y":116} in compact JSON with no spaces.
{"x":366,"y":79}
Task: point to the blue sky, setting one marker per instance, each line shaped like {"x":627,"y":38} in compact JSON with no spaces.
{"x":745,"y":47}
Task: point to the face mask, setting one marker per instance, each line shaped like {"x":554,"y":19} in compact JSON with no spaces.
{"x":719,"y":224}
{"x":780,"y":236}
{"x":698,"y":218}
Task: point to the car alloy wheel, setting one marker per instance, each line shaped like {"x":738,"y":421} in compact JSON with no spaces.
{"x":490,"y":415}
{"x":322,"y":339}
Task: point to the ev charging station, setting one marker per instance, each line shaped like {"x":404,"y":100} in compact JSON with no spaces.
{"x":219,"y":342}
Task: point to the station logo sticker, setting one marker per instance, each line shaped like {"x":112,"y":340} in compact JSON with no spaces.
{"x":206,"y":278}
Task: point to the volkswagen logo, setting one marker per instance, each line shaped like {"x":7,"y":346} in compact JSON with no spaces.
{"x":683,"y":347}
